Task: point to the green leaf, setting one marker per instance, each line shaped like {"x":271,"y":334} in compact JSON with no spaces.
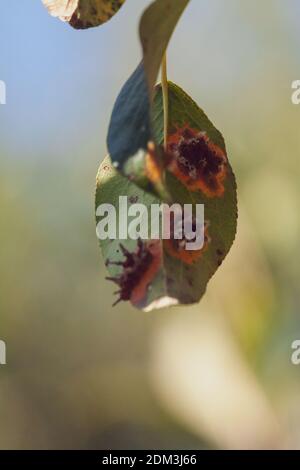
{"x":83,"y":14}
{"x":130,"y":127}
{"x":197,"y":172}
{"x":110,"y":185}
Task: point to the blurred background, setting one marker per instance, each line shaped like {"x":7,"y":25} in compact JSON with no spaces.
{"x":81,"y":374}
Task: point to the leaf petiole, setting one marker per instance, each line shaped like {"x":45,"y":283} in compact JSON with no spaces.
{"x":165,"y":94}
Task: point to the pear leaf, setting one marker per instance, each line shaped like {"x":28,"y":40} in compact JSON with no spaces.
{"x":155,"y":273}
{"x":130,"y":138}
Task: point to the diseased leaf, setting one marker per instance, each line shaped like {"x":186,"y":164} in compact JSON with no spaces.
{"x":82,"y":14}
{"x":130,"y":127}
{"x":153,"y":274}
{"x":143,"y":282}
{"x":198,"y":172}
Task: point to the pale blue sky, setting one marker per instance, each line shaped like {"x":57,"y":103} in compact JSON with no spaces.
{"x":61,"y":83}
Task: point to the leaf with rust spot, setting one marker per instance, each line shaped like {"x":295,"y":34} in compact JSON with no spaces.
{"x":136,"y":271}
{"x":83,"y":14}
{"x":130,"y":130}
{"x":155,"y":274}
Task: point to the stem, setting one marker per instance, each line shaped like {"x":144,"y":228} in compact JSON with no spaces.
{"x":165,"y":94}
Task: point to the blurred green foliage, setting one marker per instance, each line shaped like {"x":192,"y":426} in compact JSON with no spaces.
{"x":83,"y":375}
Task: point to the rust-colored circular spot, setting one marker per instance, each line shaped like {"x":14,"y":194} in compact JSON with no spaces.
{"x":197,"y":162}
{"x":177,"y":248}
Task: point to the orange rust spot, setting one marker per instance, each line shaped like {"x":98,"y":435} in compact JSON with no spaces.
{"x":197,"y":162}
{"x":153,"y":170}
{"x":140,"y":290}
{"x":187,"y":256}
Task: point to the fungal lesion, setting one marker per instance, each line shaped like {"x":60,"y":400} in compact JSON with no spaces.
{"x":220,"y":256}
{"x":196,"y":161}
{"x":138,"y":269}
{"x":177,"y":248}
